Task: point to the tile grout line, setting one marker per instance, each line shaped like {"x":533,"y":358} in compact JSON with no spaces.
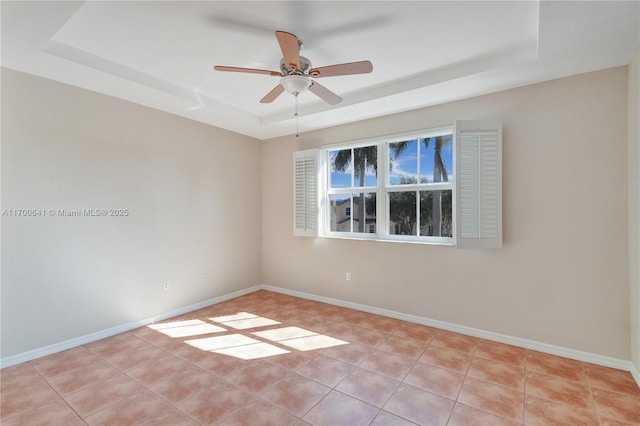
{"x":593,"y":399}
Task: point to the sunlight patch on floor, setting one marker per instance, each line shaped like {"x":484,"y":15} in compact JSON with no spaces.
{"x":177,"y":329}
{"x":244,"y":320}
{"x":281,"y":340}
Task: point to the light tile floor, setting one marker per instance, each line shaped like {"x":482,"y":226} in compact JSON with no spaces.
{"x":272,"y":359}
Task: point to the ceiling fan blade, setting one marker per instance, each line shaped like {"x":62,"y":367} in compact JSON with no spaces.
{"x":273,"y":94}
{"x":362,"y":67}
{"x":247,"y":70}
{"x":325,"y":94}
{"x":290,"y":49}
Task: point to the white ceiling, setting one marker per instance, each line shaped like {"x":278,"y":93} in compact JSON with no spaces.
{"x":161,"y":54}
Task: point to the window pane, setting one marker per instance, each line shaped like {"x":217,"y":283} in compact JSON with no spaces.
{"x":436,"y":158}
{"x":365,"y":169}
{"x":346,"y":211}
{"x":340,"y":211}
{"x":364,"y":205}
{"x":436,"y":208}
{"x":403,"y":157}
{"x":340,"y":168}
{"x":402,"y":213}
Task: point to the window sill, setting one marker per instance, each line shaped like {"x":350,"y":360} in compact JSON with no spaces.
{"x":446,"y":242}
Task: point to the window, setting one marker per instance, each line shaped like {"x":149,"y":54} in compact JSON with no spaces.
{"x":402,"y":187}
{"x":441,"y":186}
{"x":352,"y":189}
{"x":419,"y":193}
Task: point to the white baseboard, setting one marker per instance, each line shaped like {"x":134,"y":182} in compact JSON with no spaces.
{"x":592,"y":358}
{"x":635,"y":373}
{"x":470,"y":331}
{"x":92,"y":337}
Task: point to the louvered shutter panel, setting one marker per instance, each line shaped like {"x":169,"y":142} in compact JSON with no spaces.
{"x":305,"y":193}
{"x":479,"y":184}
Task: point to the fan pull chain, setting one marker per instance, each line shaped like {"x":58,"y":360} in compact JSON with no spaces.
{"x":297,"y":117}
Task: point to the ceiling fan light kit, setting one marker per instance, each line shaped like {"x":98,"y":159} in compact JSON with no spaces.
{"x":295,"y":84}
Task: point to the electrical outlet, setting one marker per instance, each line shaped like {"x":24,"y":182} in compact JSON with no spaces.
{"x":348,"y":276}
{"x":165,"y":286}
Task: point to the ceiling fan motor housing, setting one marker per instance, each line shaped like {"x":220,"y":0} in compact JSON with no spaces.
{"x":305,"y":66}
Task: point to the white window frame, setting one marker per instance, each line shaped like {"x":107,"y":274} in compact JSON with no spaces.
{"x":476,"y":189}
{"x":326,"y":191}
{"x":383,"y":189}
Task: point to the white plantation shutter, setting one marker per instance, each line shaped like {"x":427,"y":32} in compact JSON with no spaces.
{"x":479,"y":184}
{"x":305,"y":192}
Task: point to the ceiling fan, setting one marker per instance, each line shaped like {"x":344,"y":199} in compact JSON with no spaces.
{"x":296,"y":72}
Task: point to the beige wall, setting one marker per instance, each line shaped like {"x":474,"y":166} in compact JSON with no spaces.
{"x":562,"y":276}
{"x":634,"y":205}
{"x":193,"y":195}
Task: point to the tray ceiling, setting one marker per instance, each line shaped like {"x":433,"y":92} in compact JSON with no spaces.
{"x":161,"y":54}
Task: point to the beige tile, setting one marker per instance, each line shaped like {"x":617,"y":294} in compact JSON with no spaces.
{"x":175,"y":418}
{"x":497,"y":372}
{"x":353,"y":353}
{"x":366,"y":336}
{"x":258,"y":377}
{"x":415,"y":332}
{"x":612,"y":422}
{"x":154,"y":371}
{"x":15,"y":379}
{"x":137,"y":409}
{"x":56,"y":413}
{"x":540,"y":412}
{"x":500,"y":352}
{"x":25,"y":399}
{"x":128,"y":360}
{"x":98,"y":397}
{"x":326,"y":370}
{"x":380,"y":323}
{"x":438,"y":380}
{"x":496,"y":399}
{"x":455,"y":341}
{"x":22,"y":368}
{"x":446,"y":358}
{"x":617,"y":406}
{"x":403,"y":346}
{"x":368,"y":386}
{"x":337,"y":409}
{"x":463,"y":415}
{"x":64,"y":362}
{"x":184,"y":385}
{"x":296,"y":394}
{"x":385,"y":418}
{"x":419,"y":406}
{"x":119,"y":343}
{"x":214,"y":405}
{"x":334,"y":328}
{"x":220,"y":365}
{"x":551,"y":365}
{"x":261,"y":413}
{"x":75,"y":380}
{"x":350,"y":316}
{"x":387,"y":364}
{"x":611,"y":379}
{"x":559,"y":390}
{"x":292,"y":360}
